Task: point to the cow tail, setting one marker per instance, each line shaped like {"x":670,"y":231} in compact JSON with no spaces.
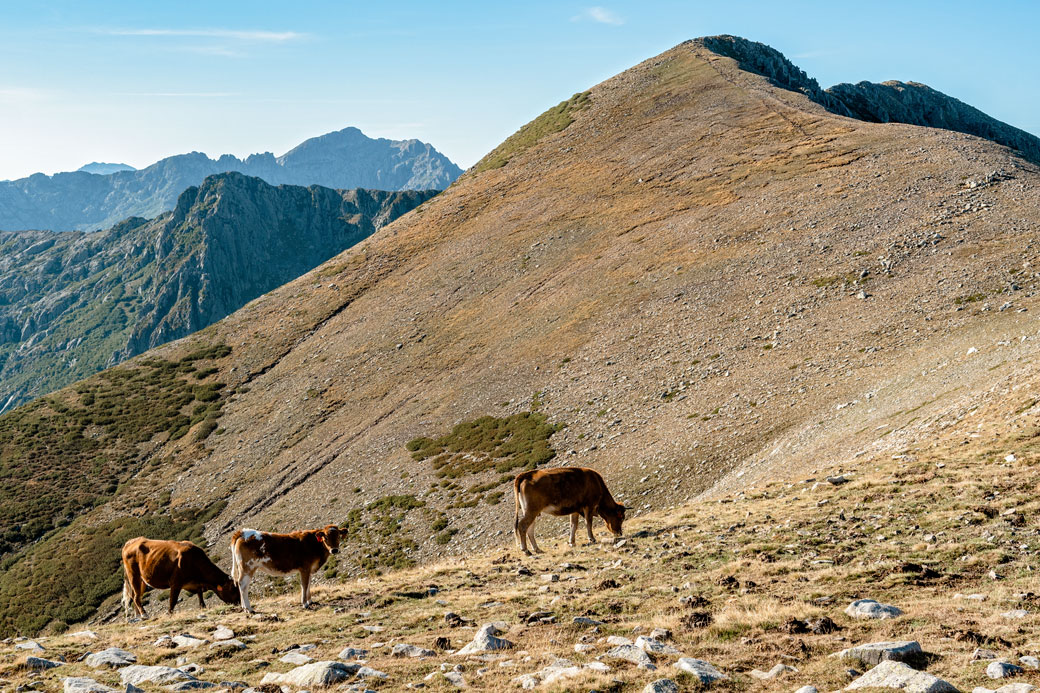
{"x":516,"y":495}
{"x":236,"y":561}
{"x":127,"y":599}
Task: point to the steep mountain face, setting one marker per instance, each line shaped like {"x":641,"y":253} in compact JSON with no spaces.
{"x":888,"y":102}
{"x":344,"y":159}
{"x":686,"y":277}
{"x":74,"y":303}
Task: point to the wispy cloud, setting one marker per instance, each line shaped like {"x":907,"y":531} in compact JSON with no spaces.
{"x":600,"y":15}
{"x":235,"y":34}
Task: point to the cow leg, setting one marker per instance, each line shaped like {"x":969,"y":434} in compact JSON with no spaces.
{"x":202,"y":600}
{"x":305,"y":588}
{"x":523,"y":525}
{"x":588,"y":525}
{"x":243,"y":592}
{"x":530,"y":538}
{"x":137,"y":588}
{"x":175,"y":591}
{"x":574,"y":527}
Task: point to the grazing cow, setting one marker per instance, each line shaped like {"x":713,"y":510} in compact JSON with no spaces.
{"x":280,"y":554}
{"x":173,"y":565}
{"x":570,"y":491}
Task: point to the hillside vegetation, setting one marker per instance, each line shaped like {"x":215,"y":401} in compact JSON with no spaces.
{"x":705,"y":281}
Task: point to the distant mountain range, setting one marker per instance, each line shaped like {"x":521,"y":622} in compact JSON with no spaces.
{"x":86,"y":201}
{"x":103,"y":169}
{"x":74,"y":303}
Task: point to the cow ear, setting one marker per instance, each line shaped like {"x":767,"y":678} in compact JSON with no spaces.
{"x":321,"y":535}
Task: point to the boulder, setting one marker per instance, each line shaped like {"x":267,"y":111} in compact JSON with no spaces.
{"x":39,"y":664}
{"x":486,"y":641}
{"x":1003,"y":670}
{"x":370,"y":673}
{"x":807,"y":689}
{"x":83,"y":635}
{"x":556,"y":672}
{"x":702,"y":670}
{"x":586,"y":621}
{"x":1015,"y":614}
{"x":871,"y":608}
{"x":190,"y":685}
{"x":353,"y":653}
{"x":655,"y":646}
{"x":223,"y":633}
{"x":312,"y":675}
{"x":633,"y":654}
{"x":405,"y":650}
{"x":227,"y":645}
{"x":1006,"y":688}
{"x":189,"y":641}
{"x":30,"y":645}
{"x":1029,"y":661}
{"x":877,"y":652}
{"x":661,"y":686}
{"x":777,"y":669}
{"x":892,"y":674}
{"x":112,"y":657}
{"x":295,"y":657}
{"x":137,"y":674}
{"x":79,"y":684}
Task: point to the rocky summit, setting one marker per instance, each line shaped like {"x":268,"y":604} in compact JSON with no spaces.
{"x":691,"y":277}
{"x":100,"y":195}
{"x":74,"y":303}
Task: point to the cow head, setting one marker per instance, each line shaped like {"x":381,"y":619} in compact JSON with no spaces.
{"x":614,"y":517}
{"x":329,"y":537}
{"x":228,"y":592}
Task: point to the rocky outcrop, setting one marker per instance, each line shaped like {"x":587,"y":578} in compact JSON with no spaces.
{"x":887,"y":102}
{"x":83,"y":200}
{"x":74,"y":303}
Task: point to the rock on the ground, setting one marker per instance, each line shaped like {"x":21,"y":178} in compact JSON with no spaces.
{"x":618,"y":640}
{"x":892,"y":674}
{"x":586,"y":621}
{"x":79,"y":684}
{"x":112,"y":657}
{"x":230,"y":644}
{"x":30,"y":645}
{"x":1015,"y":614}
{"x":405,"y":650}
{"x":807,"y":689}
{"x":164,"y":641}
{"x":632,"y":654}
{"x":83,"y":635}
{"x":777,"y":669}
{"x":661,"y":686}
{"x":295,"y":657}
{"x":137,"y":674}
{"x":313,"y":675}
{"x":456,"y":679}
{"x":353,"y":653}
{"x":871,"y":608}
{"x":556,"y":672}
{"x":655,"y":646}
{"x":190,"y":685}
{"x":877,"y":652}
{"x":704,"y":671}
{"x":185,"y":640}
{"x":40,"y":664}
{"x":370,"y":673}
{"x":1003,"y":670}
{"x":1030,"y":661}
{"x":486,"y":641}
{"x":223,"y":633}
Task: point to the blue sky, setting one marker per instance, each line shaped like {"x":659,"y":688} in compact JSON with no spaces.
{"x":133,"y":81}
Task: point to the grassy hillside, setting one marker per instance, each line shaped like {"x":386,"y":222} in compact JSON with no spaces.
{"x":703,"y":281}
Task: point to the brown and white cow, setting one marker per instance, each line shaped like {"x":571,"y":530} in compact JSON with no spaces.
{"x":172,"y":565}
{"x":281,"y":554}
{"x":574,"y":491}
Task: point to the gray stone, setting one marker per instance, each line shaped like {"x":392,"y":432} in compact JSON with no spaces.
{"x":618,"y":640}
{"x":112,"y":657}
{"x":1003,"y":670}
{"x":456,"y":679}
{"x":314,"y":674}
{"x":981,"y":654}
{"x":1030,"y":661}
{"x":30,"y":645}
{"x":871,"y":608}
{"x":40,"y":664}
{"x":295,"y":657}
{"x":892,"y":674}
{"x":138,"y":674}
{"x":777,"y":669}
{"x":405,"y":650}
{"x":1015,"y":614}
{"x":704,"y":671}
{"x":223,"y":633}
{"x":877,"y":652}
{"x":353,"y":653}
{"x":661,"y":686}
{"x":232,"y":644}
{"x":655,"y":646}
{"x":661,"y":634}
{"x":165,"y":641}
{"x":190,"y":685}
{"x":1006,"y":688}
{"x":189,"y":641}
{"x":80,"y":684}
{"x":370,"y":673}
{"x":633,"y":654}
{"x":486,"y":641}
{"x":586,"y":621}
{"x":83,"y":635}
{"x":807,"y":689}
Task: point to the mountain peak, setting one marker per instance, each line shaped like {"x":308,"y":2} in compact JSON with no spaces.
{"x":104,"y":169}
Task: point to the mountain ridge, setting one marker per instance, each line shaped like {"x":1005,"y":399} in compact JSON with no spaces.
{"x":345,"y":159}
{"x":73,"y":302}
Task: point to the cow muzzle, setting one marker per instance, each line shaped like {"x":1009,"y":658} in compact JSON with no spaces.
{"x":335,"y":551}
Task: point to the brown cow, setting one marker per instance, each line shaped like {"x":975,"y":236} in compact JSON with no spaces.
{"x":173,"y":565}
{"x":280,"y":554}
{"x":570,"y":491}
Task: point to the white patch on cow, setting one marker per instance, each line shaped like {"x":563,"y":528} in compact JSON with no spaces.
{"x":264,"y":566}
{"x":251,"y":534}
